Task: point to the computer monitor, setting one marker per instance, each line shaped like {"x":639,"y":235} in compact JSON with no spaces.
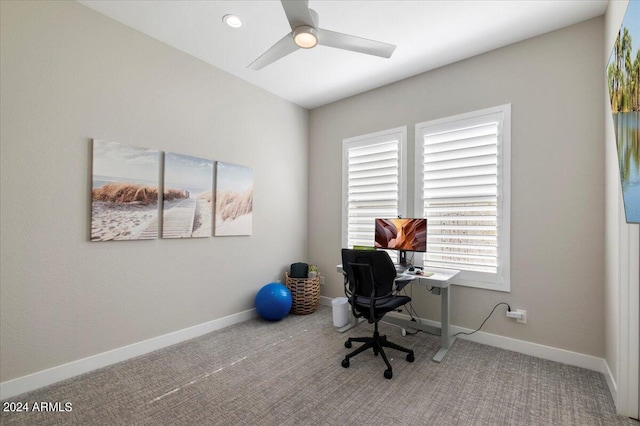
{"x":401,"y":234}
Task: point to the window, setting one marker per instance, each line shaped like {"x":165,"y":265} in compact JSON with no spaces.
{"x":373,"y":183}
{"x":463,"y":189}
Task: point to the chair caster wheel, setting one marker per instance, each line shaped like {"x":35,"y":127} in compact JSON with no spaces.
{"x":375,"y":353}
{"x":410,"y":357}
{"x":388,"y":374}
{"x":347,"y":344}
{"x":345,"y":363}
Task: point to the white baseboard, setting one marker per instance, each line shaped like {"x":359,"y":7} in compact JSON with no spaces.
{"x":23,"y":384}
{"x":550,"y":353}
{"x":43,"y":378}
{"x":325,"y":301}
{"x":534,"y":349}
{"x":611,"y":382}
{"x":528,"y":348}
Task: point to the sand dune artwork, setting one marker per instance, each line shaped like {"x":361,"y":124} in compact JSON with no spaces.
{"x":187,"y":207}
{"x":124,"y":194}
{"x":234,"y":200}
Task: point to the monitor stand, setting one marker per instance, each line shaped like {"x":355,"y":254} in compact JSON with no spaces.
{"x":403,"y":259}
{"x":401,"y":269}
{"x":402,"y":262}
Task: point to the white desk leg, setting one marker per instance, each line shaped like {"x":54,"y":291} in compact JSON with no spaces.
{"x":445,"y":335}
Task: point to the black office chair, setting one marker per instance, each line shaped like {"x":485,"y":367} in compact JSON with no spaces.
{"x":369,"y":282}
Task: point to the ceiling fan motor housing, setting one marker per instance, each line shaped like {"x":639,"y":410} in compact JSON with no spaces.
{"x":305,"y":36}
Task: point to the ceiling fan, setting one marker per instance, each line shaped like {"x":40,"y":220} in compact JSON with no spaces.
{"x":305,"y":34}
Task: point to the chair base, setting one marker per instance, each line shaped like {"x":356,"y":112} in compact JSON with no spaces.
{"x":377,"y":343}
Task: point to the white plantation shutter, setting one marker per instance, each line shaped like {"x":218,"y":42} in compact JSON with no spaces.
{"x":461,"y":169}
{"x":373,"y":183}
{"x":460,"y":198}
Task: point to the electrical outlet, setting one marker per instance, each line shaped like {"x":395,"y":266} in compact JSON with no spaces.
{"x":321,"y":279}
{"x":520,"y":315}
{"x":522,"y":320}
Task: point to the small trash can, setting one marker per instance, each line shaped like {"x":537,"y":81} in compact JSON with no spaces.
{"x":340,"y":307}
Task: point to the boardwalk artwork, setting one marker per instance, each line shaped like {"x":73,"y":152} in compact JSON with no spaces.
{"x":187,"y":207}
{"x":124,"y":193}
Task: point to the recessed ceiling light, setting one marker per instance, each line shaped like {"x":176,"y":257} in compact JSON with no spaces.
{"x":232,"y":20}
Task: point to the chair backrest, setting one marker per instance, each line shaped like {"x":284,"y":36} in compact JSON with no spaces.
{"x":376,"y":281}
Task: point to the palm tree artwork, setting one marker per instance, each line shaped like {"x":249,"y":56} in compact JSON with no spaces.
{"x":623,"y":83}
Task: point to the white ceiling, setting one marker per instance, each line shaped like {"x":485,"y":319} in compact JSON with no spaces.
{"x":428,"y":34}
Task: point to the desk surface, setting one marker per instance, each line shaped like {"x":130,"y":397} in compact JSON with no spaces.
{"x":441,"y":277}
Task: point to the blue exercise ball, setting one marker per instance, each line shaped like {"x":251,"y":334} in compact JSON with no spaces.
{"x":273,"y":301}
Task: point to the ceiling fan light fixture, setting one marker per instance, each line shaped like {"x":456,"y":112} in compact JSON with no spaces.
{"x":306,"y":34}
{"x":233,"y":21}
{"x":305,"y":37}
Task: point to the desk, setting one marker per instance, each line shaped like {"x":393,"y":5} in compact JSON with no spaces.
{"x":438,"y":283}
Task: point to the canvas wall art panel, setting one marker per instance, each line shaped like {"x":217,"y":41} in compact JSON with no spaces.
{"x":623,"y":81}
{"x":188,"y":187}
{"x":124,"y":194}
{"x":234,"y":200}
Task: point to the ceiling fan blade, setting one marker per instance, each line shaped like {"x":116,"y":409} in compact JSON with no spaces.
{"x":298,"y":13}
{"x":282,"y":48}
{"x":356,"y":44}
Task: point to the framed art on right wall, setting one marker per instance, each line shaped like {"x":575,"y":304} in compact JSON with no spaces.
{"x":623,"y":82}
{"x":234,"y":200}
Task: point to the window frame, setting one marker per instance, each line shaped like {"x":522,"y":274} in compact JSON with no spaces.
{"x":397,"y":133}
{"x":501,"y":280}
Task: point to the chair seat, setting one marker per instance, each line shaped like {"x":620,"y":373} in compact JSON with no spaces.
{"x":381,"y":305}
{"x":387,"y":303}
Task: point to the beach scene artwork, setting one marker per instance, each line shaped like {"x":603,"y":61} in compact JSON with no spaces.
{"x":124,"y":194}
{"x":234,"y":200}
{"x":623,"y":81}
{"x":187,"y":195}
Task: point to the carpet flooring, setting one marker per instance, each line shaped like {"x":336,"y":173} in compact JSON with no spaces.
{"x":289,"y":373}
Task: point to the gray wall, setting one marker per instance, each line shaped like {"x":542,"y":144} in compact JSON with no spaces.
{"x":554,"y":83}
{"x":69,"y":75}
{"x":613,"y":203}
{"x":622,"y":256}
